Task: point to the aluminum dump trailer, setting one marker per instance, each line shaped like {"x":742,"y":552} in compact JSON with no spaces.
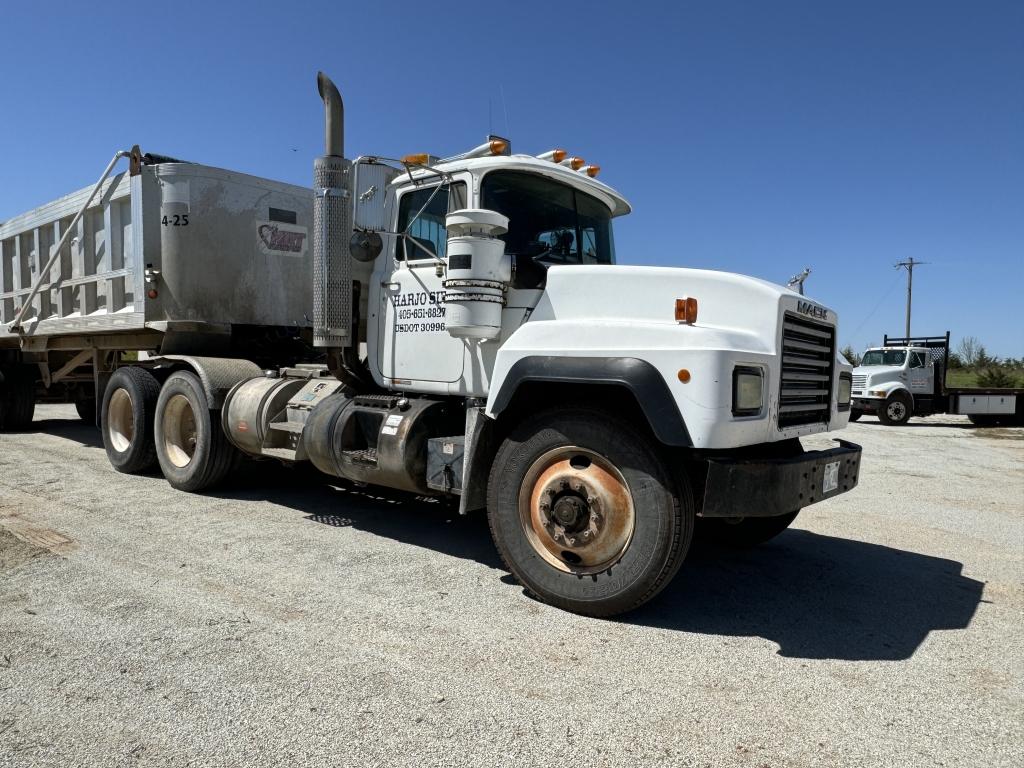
{"x":165,"y":258}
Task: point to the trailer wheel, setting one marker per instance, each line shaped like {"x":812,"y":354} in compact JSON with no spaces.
{"x":17,"y":397}
{"x":896,"y":410}
{"x":126,"y":419}
{"x":193,"y":451}
{"x":585,"y":514}
{"x":86,"y":408}
{"x":746,"y":532}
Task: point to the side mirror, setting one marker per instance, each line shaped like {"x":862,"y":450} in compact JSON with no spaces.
{"x":365,"y":246}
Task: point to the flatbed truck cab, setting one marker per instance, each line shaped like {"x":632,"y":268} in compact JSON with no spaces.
{"x":474,"y":338}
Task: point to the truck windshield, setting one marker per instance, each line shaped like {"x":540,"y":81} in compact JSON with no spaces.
{"x":549,"y":223}
{"x":884,"y":357}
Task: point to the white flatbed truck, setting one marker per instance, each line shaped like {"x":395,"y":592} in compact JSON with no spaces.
{"x":906,"y":377}
{"x":596,"y":411}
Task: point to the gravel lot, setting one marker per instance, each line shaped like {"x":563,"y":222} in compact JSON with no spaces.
{"x":286,"y":620}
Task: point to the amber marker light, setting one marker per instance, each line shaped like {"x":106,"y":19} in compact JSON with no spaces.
{"x":684,"y":376}
{"x":592,"y":170}
{"x":417,"y":159}
{"x":686,"y":310}
{"x":498,"y":146}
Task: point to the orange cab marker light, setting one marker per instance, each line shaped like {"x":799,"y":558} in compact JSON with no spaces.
{"x":686,"y":310}
{"x":592,"y":170}
{"x":684,"y":376}
{"x":558,"y":155}
{"x":498,"y":146}
{"x":417,"y":159}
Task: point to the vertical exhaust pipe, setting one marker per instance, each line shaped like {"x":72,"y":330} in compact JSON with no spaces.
{"x":332,"y":228}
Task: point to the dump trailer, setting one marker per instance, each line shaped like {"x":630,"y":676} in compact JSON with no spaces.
{"x":452,"y":327}
{"x":907,"y":376}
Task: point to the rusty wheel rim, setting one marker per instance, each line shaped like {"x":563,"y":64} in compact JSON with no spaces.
{"x":576,"y":510}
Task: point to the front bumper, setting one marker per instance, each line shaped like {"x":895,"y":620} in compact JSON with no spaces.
{"x":772,"y":487}
{"x":867,"y":404}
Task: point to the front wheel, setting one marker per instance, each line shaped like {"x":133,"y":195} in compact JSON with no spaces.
{"x":896,"y":410}
{"x":585,"y":514}
{"x":193,"y":451}
{"x":746,"y":532}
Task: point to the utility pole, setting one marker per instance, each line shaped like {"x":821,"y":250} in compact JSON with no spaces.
{"x":909,"y":265}
{"x":798,"y":280}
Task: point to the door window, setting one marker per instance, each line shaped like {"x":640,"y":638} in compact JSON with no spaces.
{"x":917,"y":360}
{"x":427,"y":232}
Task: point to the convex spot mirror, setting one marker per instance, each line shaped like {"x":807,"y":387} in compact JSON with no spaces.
{"x":365,"y":246}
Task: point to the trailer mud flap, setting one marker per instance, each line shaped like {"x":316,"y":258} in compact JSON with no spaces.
{"x":771,"y":487}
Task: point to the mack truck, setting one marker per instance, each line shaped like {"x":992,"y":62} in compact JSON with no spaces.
{"x":454,"y":327}
{"x":907,"y":376}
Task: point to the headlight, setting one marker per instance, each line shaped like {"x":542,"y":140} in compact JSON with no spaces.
{"x":747,"y":391}
{"x":845,"y":389}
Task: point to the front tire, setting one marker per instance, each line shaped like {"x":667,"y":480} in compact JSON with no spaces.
{"x":896,"y":410}
{"x":193,"y":451}
{"x":585,"y":513}
{"x":747,"y":532}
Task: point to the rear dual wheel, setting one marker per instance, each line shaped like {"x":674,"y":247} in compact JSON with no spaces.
{"x":17,"y":396}
{"x":126,"y":419}
{"x":192,"y":449}
{"x":585,"y":513}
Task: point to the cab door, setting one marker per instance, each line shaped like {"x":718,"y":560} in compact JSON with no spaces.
{"x":920,"y":373}
{"x":414,"y":345}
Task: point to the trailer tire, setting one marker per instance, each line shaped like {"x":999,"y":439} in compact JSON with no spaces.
{"x":193,"y":451}
{"x":126,"y":419}
{"x":17,"y":397}
{"x":86,"y":408}
{"x":585,"y":480}
{"x":746,"y":532}
{"x":897,"y":409}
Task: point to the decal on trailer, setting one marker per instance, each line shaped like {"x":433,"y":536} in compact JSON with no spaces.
{"x":274,"y":237}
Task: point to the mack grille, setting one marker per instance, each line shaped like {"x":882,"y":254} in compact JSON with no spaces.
{"x":808,"y":362}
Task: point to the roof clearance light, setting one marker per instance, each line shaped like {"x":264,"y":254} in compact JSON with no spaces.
{"x":686,"y":310}
{"x":554,"y":155}
{"x":591,"y":170}
{"x":574,"y":162}
{"x":498,"y":146}
{"x":417,"y":159}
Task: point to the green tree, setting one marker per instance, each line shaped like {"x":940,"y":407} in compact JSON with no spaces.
{"x":850,"y":355}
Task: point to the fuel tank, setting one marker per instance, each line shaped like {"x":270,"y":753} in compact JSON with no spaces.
{"x":378,"y":439}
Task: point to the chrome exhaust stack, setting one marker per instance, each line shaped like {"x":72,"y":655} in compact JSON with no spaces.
{"x":332,"y":229}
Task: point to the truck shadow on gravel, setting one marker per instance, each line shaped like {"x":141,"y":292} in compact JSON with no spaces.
{"x":75,"y":430}
{"x":818,"y":597}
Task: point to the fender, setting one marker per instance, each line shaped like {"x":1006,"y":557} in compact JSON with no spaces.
{"x":217,"y":374}
{"x":638,"y":376}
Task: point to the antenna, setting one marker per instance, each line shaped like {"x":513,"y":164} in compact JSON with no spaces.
{"x":504,"y":109}
{"x":798,"y":280}
{"x":909,"y":265}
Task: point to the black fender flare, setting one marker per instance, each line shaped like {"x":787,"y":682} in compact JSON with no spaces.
{"x":638,"y":376}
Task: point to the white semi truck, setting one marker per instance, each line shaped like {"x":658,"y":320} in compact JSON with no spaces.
{"x":906,"y":377}
{"x":447,"y":326}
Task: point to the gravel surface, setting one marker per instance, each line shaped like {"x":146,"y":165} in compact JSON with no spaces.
{"x":286,"y":620}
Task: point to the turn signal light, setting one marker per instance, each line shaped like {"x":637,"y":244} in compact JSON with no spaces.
{"x":498,"y":146}
{"x":417,"y":159}
{"x":591,"y":170}
{"x":574,"y":162}
{"x":684,"y":376}
{"x":686,"y":310}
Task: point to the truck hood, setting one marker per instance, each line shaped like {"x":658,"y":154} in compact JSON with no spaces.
{"x":726,"y":301}
{"x":875,"y":374}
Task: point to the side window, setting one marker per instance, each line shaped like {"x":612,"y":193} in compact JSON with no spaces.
{"x":427,"y":229}
{"x":917,"y":360}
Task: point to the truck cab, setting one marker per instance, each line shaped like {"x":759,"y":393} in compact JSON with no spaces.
{"x":893,"y":382}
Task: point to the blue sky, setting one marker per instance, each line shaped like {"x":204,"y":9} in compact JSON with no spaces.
{"x":755,"y":137}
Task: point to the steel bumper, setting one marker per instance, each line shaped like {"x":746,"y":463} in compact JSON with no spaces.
{"x":771,"y":487}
